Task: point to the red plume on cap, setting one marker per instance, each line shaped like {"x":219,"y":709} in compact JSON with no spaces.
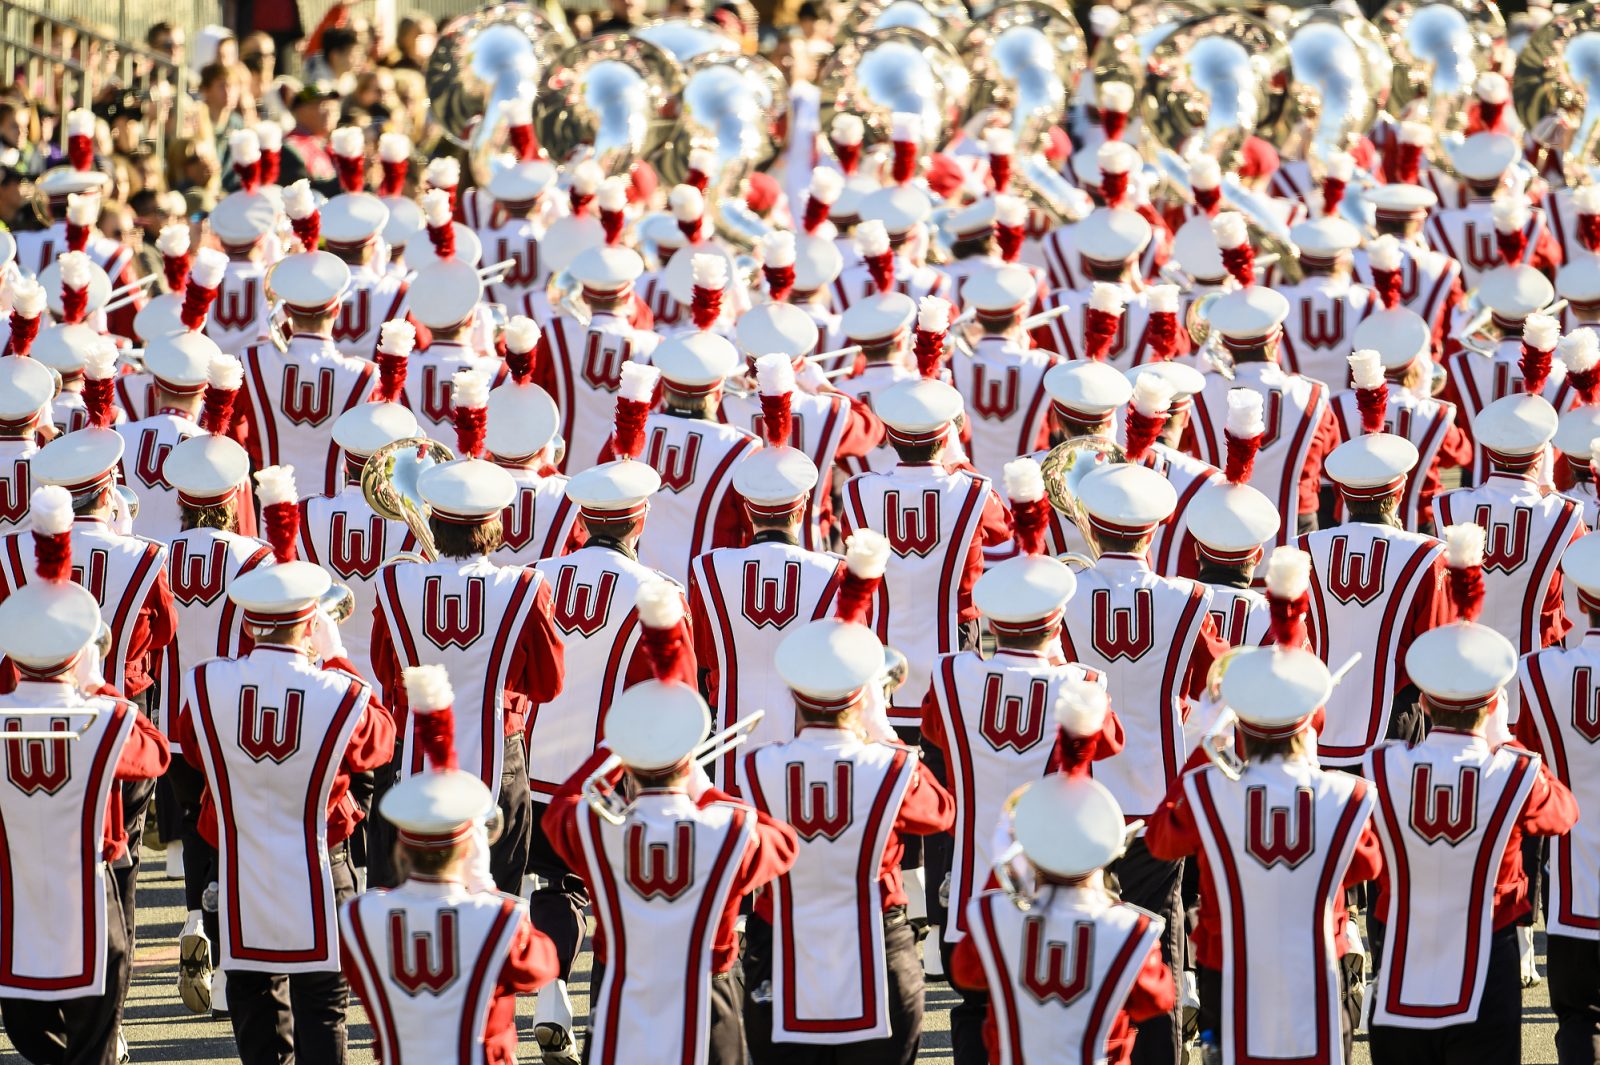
{"x":1244,"y":430}
{"x":80,"y":139}
{"x":348,"y":146}
{"x":429,"y":699}
{"x":1080,"y":711}
{"x":1233,"y":244}
{"x":27,"y":307}
{"x":469,"y":411}
{"x":928,"y":336}
{"x":905,"y":131}
{"x":1580,"y":352}
{"x":1030,"y":510}
{"x":223,"y":377}
{"x":1288,"y":596}
{"x":866,"y":555}
{"x":99,"y":383}
{"x":1147,"y":413}
{"x":396,"y":339}
{"x":521,"y":340}
{"x":1511,"y":215}
{"x":1385,"y":258}
{"x":613,"y":200}
{"x":662,"y":631}
{"x":270,"y":136}
{"x":1340,"y":169}
{"x":82,"y":211}
{"x":872,"y":244}
{"x":394,"y":163}
{"x":173,"y":244}
{"x":304,"y":218}
{"x":1161,"y":328}
{"x":201,"y":292}
{"x":1540,"y":334}
{"x":280,"y":511}
{"x":77,"y":271}
{"x":1101,"y":319}
{"x":844,"y":137}
{"x":775,"y":380}
{"x":1372,"y":389}
{"x":1463,"y":551}
{"x":1586,"y":198}
{"x":1010,"y":226}
{"x":441,"y":227}
{"x":244,"y":148}
{"x":50,"y":511}
{"x":710,"y":274}
{"x":635,"y":392}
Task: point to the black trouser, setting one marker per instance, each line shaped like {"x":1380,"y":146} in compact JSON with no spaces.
{"x":187,"y":785}
{"x":298,"y":1018}
{"x":508,"y":858}
{"x":966,"y":1017}
{"x":557,"y":904}
{"x":1494,"y":1038}
{"x":1574,"y":975}
{"x":725,"y":1041}
{"x":1209,"y":984}
{"x":380,"y":833}
{"x":904,"y":964}
{"x":77,"y":1031}
{"x":1156,"y":886}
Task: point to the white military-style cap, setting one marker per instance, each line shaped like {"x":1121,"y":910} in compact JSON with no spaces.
{"x":1578,"y":279}
{"x":613,"y":491}
{"x":827,"y":663}
{"x":436,"y":808}
{"x":1580,"y":564}
{"x":206,"y":470}
{"x":898,"y":207}
{"x":363,"y":429}
{"x":353,"y":219}
{"x":846,"y":209}
{"x":1069,"y":826}
{"x":678,"y":274}
{"x":1087,"y":390}
{"x":1400,"y":336}
{"x":1126,"y":500}
{"x":1273,"y":690}
{"x":242,"y":218}
{"x":1184,"y":379}
{"x":661,"y":229}
{"x":1112,"y":234}
{"x":1231,"y":521}
{"x":776,"y":328}
{"x":81,"y":461}
{"x":1024,"y":593}
{"x":280,"y":595}
{"x":879,"y":317}
{"x":1194,"y":248}
{"x":47,"y":623}
{"x":1372,"y":466}
{"x":570,"y":237}
{"x":917,"y":411}
{"x":466,"y":491}
{"x":695,"y":363}
{"x":159,"y":317}
{"x":1515,"y":426}
{"x":1484,"y":157}
{"x":1248,"y":315}
{"x":1325,"y":237}
{"x":61,"y":181}
{"x":1575,"y":432}
{"x":774,"y":479}
{"x":817,"y":262}
{"x":406,"y":220}
{"x":1514,"y":292}
{"x":522,"y":420}
{"x":444,"y":293}
{"x":99,"y":287}
{"x":180,"y":362}
{"x":26,"y":389}
{"x":310,"y":282}
{"x":655,"y":725}
{"x":1400,"y":200}
{"x":1461,"y":665}
{"x":521,"y":182}
{"x":63,"y":347}
{"x":1001,"y":290}
{"x":975,"y":219}
{"x":468,"y":250}
{"x":606,"y":269}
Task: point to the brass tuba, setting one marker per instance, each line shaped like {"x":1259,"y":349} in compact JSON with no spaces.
{"x":389,"y":485}
{"x":612,"y":97}
{"x":1438,"y":46}
{"x":1064,"y":467}
{"x":1341,"y":76}
{"x":896,"y":69}
{"x":1556,"y":89}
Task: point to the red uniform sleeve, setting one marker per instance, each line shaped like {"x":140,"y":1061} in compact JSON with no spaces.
{"x":971,"y":570}
{"x":933,"y":723}
{"x":532,"y":962}
{"x":995,"y":526}
{"x":1550,"y":809}
{"x":1154,"y":991}
{"x":544,"y":363}
{"x":560,"y":820}
{"x":538,"y":664}
{"x":1455,"y":449}
{"x":145,"y":755}
{"x":731,"y":527}
{"x":1430,"y":609}
{"x":160,"y":613}
{"x":242,"y":428}
{"x":1553,"y":621}
{"x":1172,"y":833}
{"x":863,"y":431}
{"x":372,"y":743}
{"x":386,"y":668}
{"x":1208,"y":647}
{"x":705,"y":644}
{"x":771,"y":851}
{"x":1546,"y":257}
{"x":1367,"y":862}
{"x":1525,"y":733}
{"x":927,"y":807}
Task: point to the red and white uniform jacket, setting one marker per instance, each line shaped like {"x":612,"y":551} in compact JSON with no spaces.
{"x":1240,"y":615}
{"x":68,"y":412}
{"x":580,"y":366}
{"x":697,"y":508}
{"x":1320,"y":331}
{"x":522,"y":289}
{"x":1560,"y":692}
{"x":1066,"y":977}
{"x":669,"y":314}
{"x":60,"y":805}
{"x":937,"y":522}
{"x":1172,"y":548}
{"x":830,"y":332}
{"x":963,"y":270}
{"x":667,"y":884}
{"x":1561,"y":214}
{"x":136,"y":395}
{"x":278,"y":739}
{"x":147,"y":443}
{"x":373,"y":298}
{"x":1525,"y":533}
{"x":1473,"y":381}
{"x":915,"y":281}
{"x":744,"y":601}
{"x":1060,"y":245}
{"x":859,"y":386}
{"x":1430,"y":282}
{"x":428,"y":383}
{"x":1277,"y":848}
{"x":491,"y":626}
{"x":1430,"y":425}
{"x":1153,"y":640}
{"x":1300,"y":431}
{"x":439,"y":969}
{"x":291,"y":400}
{"x":538,"y":523}
{"x":1063,"y":334}
{"x":1008,"y":411}
{"x":592,"y":599}
{"x":16,"y":484}
{"x":1467,"y":235}
{"x":37,"y":249}
{"x":1374,"y":590}
{"x":240,"y":316}
{"x":201,"y":564}
{"x":849,"y":803}
{"x":127,"y":576}
{"x":1454,"y":811}
{"x":831,"y":428}
{"x":345,"y":536}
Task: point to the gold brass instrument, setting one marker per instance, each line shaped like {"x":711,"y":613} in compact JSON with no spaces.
{"x":389,"y":485}
{"x":1556,"y":89}
{"x":1336,"y":90}
{"x":896,"y":69}
{"x":1438,"y":46}
{"x":1125,"y":55}
{"x":1064,"y":467}
{"x":609,"y":804}
{"x":944,"y":19}
{"x":613,"y":96}
{"x":688,"y":39}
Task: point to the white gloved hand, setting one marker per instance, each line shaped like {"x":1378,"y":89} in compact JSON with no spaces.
{"x":325,"y":641}
{"x":121,"y":520}
{"x":698,"y":783}
{"x":87,"y":675}
{"x":475,"y":871}
{"x":809,"y":378}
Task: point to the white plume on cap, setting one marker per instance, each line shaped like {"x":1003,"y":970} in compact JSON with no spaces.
{"x":933,"y":314}
{"x":1288,"y":572}
{"x":638,"y":382}
{"x":1116,"y":96}
{"x":394,"y":147}
{"x":100,"y":361}
{"x":1116,"y":157}
{"x":1024,"y":480}
{"x":347,"y":141}
{"x":660,"y":604}
{"x":436,"y":207}
{"x":866,"y":553}
{"x":469,"y":389}
{"x":1541,"y":332}
{"x":1081,"y":708}
{"x":1586,"y":198}
{"x":775,"y":375}
{"x":50,"y":510}
{"x":275,"y":484}
{"x":703,"y":160}
{"x":709,"y":271}
{"x":1384,"y":252}
{"x":244,"y":146}
{"x":80,"y":123}
{"x":399,"y":337}
{"x":1205,"y":173}
{"x":777,"y":248}
{"x":1245,"y":419}
{"x":998,"y":140}
{"x":1010,"y":211}
{"x":269,"y":137}
{"x":28,"y":298}
{"x":1510,"y":213}
{"x":586,"y":177}
{"x":1463,"y":545}
{"x":298,"y":201}
{"x":1366,"y":368}
{"x":1416,"y":133}
{"x":1107,"y":297}
{"x":443,"y":173}
{"x":1492,"y":88}
{"x":871,"y":238}
{"x":1152,"y":394}
{"x":847,"y":129}
{"x":522,"y":333}
{"x":518,"y":111}
{"x":1341,"y":166}
{"x":82,"y":210}
{"x":76,"y":269}
{"x":173,"y":240}
{"x":1163,"y":299}
{"x":1229,"y":229}
{"x":826,"y":183}
{"x":1580,"y":351}
{"x":225,"y":371}
{"x":613,"y":194}
{"x":686,"y":203}
{"x":427,"y":689}
{"x":905,"y":126}
{"x":209,"y":266}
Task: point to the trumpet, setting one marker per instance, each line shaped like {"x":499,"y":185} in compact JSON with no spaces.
{"x":603,"y":798}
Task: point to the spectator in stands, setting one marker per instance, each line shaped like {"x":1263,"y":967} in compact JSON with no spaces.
{"x":220,"y":88}
{"x":339,"y":55}
{"x":413,"y":44}
{"x":13,"y":198}
{"x":305,"y":149}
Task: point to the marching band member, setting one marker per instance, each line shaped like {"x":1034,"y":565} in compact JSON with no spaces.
{"x":440,"y":959}
{"x":660,"y":231}
{"x":521,"y":439}
{"x":1110,"y":310}
{"x":1326,"y":305}
{"x":1277,"y":839}
{"x":26,"y":389}
{"x":1429,"y":283}
{"x":880,"y":326}
{"x":670,"y":871}
{"x":1452,"y":811}
{"x":243,"y":223}
{"x":1084,"y":398}
{"x":69,"y":953}
{"x":1106,"y":244}
{"x":516,"y":227}
{"x":850,"y":799}
{"x":352,"y":227}
{"x":984,"y":238}
{"x":444,"y":299}
{"x":163,"y":315}
{"x":1489,"y":230}
{"x":1578,"y":282}
{"x":65,"y":346}
{"x":1157,"y":413}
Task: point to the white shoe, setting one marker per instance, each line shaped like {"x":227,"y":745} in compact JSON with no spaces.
{"x":194,"y":965}
{"x":932,"y":960}
{"x":1530,"y":961}
{"x":219,"y":994}
{"x":175,"y":860}
{"x":916,"y":895}
{"x":552,"y":1026}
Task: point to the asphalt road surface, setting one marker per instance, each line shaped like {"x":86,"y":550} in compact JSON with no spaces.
{"x":159,"y":1029}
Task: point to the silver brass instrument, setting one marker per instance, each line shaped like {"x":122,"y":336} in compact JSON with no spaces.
{"x":896,"y":69}
{"x":605,"y":800}
{"x":613,"y":95}
{"x":688,"y":39}
{"x":1557,"y":83}
{"x":338,"y":603}
{"x":1064,"y":467}
{"x":1341,"y":74}
{"x":944,"y":19}
{"x":128,"y":500}
{"x":389,"y":485}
